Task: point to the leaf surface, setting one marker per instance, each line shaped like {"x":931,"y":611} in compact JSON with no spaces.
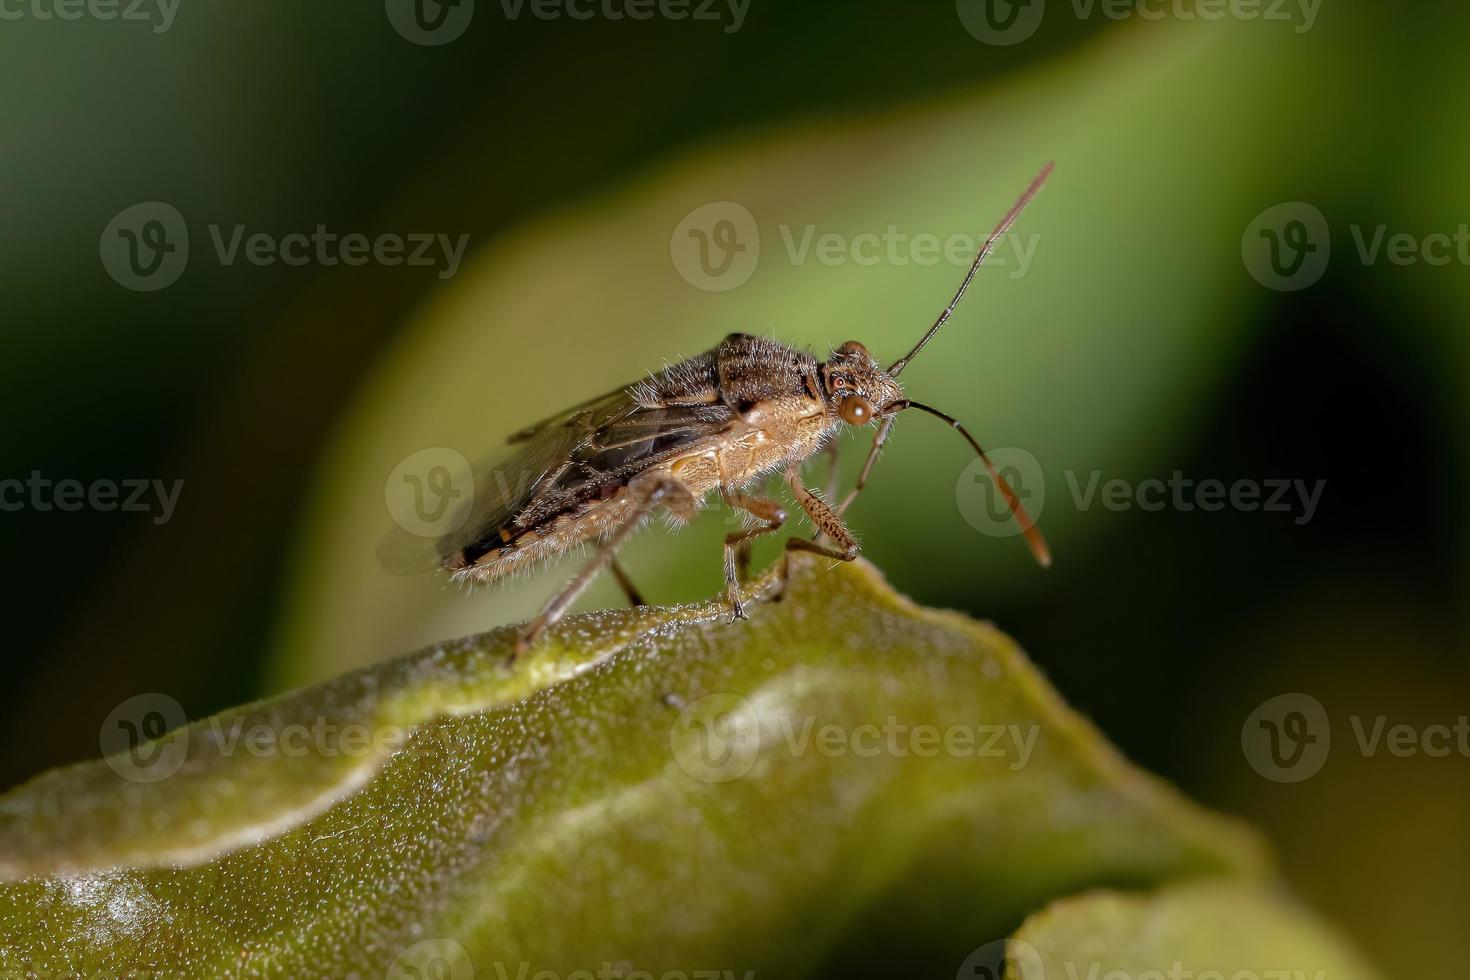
{"x":655,"y":787}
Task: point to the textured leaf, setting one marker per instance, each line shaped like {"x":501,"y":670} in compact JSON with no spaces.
{"x":1199,"y":931}
{"x":658,"y":788}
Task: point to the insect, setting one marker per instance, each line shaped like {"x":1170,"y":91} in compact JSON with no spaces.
{"x":718,"y":423}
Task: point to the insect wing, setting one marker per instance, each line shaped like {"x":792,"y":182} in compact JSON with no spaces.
{"x":491,"y":494}
{"x":563,"y":461}
{"x":623,"y":445}
{"x":485,"y":496}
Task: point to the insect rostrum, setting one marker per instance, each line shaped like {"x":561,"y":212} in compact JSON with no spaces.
{"x":715,"y":423}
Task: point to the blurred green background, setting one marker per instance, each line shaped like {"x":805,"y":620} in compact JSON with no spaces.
{"x":1137,"y":341}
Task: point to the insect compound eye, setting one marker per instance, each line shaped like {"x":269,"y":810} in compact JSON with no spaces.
{"x":855,"y":410}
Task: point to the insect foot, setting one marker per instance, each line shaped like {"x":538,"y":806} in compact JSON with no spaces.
{"x":524,"y":636}
{"x":737,"y":612}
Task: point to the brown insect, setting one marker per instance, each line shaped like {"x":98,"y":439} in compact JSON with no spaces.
{"x":719,"y":422}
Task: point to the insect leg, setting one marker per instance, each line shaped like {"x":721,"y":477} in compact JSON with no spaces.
{"x":741,"y":540}
{"x":648,"y":491}
{"x":737,"y":543}
{"x":828,"y":523}
{"x":635,"y":598}
{"x":862,"y":479}
{"x":883,"y":429}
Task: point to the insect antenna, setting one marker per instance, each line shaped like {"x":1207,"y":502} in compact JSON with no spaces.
{"x":1023,"y":520}
{"x":986,"y":249}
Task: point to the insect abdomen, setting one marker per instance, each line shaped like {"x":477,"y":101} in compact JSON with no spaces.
{"x":511,"y":549}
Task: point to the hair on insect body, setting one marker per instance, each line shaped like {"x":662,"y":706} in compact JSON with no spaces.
{"x":717,"y":423}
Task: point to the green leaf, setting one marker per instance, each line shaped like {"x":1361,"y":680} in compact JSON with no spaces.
{"x":654,"y":787}
{"x":1198,"y":931}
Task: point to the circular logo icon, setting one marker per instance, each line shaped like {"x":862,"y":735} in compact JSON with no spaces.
{"x":716,"y":246}
{"x":990,"y":962}
{"x":1287,"y":738}
{"x":431,"y":492}
{"x":716,"y":738}
{"x":133,"y":739}
{"x":983,"y":504}
{"x":145,"y":247}
{"x":430,"y":22}
{"x":1287,"y":246}
{"x":432,"y":959}
{"x":1001,"y":22}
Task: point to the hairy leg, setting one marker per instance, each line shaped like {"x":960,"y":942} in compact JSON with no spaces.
{"x":828,"y":523}
{"x":862,"y":480}
{"x":883,"y":429}
{"x":737,"y":543}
